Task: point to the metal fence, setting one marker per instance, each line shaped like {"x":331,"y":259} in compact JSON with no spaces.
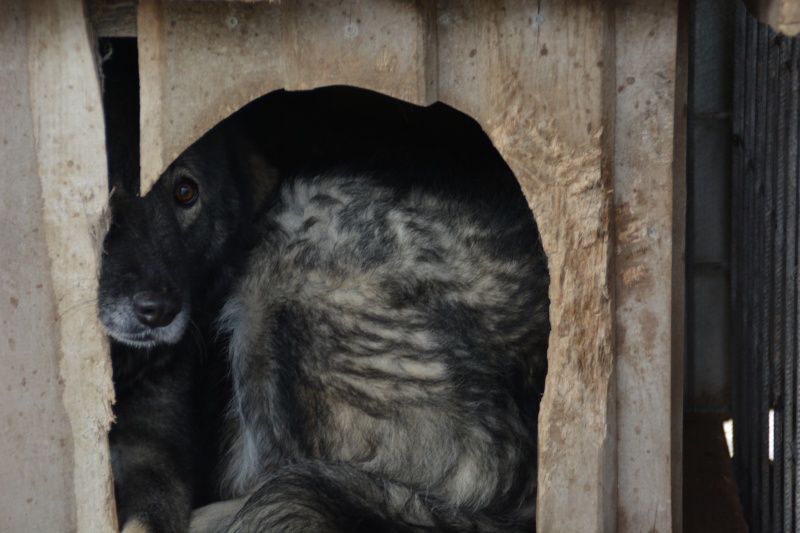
{"x":764,"y":262}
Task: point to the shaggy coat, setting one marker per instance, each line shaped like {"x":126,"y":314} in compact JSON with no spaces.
{"x":328,"y":318}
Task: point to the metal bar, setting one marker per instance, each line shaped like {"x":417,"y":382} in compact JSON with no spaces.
{"x":792,"y":138}
{"x":775,"y":108}
{"x":763,"y":291}
{"x":743,"y":430}
{"x":737,"y":230}
{"x":765,"y":295}
{"x":782,"y":407}
{"x":754,"y":267}
{"x":760,"y":289}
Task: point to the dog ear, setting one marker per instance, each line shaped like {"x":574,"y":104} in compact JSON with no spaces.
{"x":243,"y":145}
{"x":262,"y":178}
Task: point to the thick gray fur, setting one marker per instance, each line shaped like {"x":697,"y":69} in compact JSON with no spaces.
{"x":377,"y":347}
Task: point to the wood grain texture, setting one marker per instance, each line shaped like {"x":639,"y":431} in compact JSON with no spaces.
{"x":540,"y":90}
{"x":578,"y":96}
{"x":646,"y":242}
{"x":200,"y":62}
{"x":36,"y":448}
{"x":69,"y":137}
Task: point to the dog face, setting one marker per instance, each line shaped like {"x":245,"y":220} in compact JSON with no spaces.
{"x":143,"y":300}
{"x":167,"y":254}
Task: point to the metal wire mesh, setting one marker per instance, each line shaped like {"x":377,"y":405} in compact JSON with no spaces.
{"x":765,"y":293}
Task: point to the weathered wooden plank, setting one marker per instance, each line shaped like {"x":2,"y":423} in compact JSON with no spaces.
{"x":649,"y":337}
{"x":645,"y":46}
{"x":459,"y":55}
{"x":536,"y":79}
{"x":68,"y":147}
{"x":200,"y":62}
{"x":381,"y":45}
{"x":36,"y":447}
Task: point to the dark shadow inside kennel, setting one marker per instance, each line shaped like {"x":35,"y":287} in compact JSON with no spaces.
{"x":324,"y":129}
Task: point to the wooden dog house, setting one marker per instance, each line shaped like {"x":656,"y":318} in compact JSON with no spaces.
{"x":583,"y":98}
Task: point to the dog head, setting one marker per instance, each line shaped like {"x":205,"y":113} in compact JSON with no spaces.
{"x":167,"y":256}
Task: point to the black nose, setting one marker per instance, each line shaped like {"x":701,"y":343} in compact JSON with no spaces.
{"x":156,"y":309}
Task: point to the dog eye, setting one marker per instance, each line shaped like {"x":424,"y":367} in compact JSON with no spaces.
{"x":186,"y":192}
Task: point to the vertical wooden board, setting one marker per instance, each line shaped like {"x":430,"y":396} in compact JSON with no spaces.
{"x":537,"y":78}
{"x":646,"y":242}
{"x":199,"y":62}
{"x":71,"y":165}
{"x":379,"y":45}
{"x":36,"y":447}
{"x":458,"y":41}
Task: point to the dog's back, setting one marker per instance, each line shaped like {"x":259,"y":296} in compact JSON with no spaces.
{"x":384,"y":328}
{"x":393,"y":333}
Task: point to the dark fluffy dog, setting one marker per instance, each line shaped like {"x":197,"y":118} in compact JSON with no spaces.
{"x":329,"y":314}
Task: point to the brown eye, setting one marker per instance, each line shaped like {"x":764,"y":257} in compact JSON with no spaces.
{"x":186,"y":192}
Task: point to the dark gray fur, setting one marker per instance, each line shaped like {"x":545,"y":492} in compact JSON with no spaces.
{"x":354,"y":340}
